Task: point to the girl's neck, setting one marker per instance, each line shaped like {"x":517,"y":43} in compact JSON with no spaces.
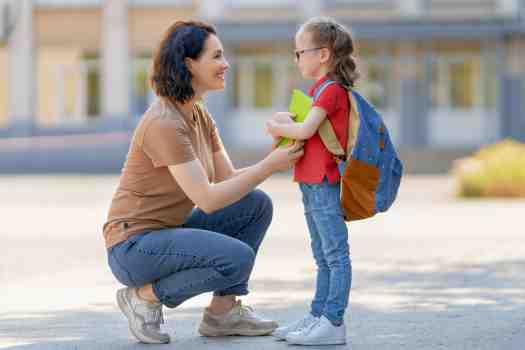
{"x":323,"y":71}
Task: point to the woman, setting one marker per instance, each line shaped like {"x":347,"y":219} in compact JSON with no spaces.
{"x":183,"y":220}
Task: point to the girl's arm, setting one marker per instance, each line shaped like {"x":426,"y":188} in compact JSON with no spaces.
{"x":298,"y":131}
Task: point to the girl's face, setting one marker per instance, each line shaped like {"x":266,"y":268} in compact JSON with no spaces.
{"x":209,"y":70}
{"x":308,"y":56}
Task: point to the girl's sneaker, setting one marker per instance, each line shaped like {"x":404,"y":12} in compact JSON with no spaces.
{"x":281,"y":332}
{"x":322,"y":332}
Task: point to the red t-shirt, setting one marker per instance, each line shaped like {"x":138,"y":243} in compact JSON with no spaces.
{"x":317,"y":161}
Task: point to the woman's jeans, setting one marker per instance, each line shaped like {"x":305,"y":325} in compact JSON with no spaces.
{"x":209,"y":252}
{"x":329,"y":241}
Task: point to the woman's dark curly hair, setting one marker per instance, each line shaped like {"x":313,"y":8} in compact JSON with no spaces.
{"x":170,"y":77}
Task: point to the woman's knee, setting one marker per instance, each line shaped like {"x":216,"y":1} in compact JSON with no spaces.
{"x":241,"y":261}
{"x":265,"y":204}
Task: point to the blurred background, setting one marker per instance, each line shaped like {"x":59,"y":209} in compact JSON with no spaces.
{"x":448,"y":76}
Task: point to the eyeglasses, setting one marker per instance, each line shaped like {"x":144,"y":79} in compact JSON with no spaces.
{"x":298,"y":53}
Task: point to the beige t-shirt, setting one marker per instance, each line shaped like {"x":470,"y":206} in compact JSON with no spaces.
{"x":148,"y":197}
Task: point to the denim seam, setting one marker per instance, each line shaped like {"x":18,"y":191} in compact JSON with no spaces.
{"x":193,"y":283}
{"x":317,"y":210}
{"x":166,"y":299}
{"x":150,"y":252}
{"x":190,"y":285}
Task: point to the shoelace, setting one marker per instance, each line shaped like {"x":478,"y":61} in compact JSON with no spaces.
{"x":246,"y":310}
{"x":157,"y":318}
{"x":303,"y":323}
{"x":311,"y":326}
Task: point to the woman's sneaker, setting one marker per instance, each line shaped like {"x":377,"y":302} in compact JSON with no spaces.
{"x":241,"y":320}
{"x":322,"y":332}
{"x":144,"y":317}
{"x":281,"y":332}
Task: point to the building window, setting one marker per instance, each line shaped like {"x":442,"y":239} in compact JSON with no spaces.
{"x":259,"y":83}
{"x":377,"y":83}
{"x":140,"y":90}
{"x":93,"y":89}
{"x":464,"y":83}
{"x":263,"y":85}
{"x":462,"y":80}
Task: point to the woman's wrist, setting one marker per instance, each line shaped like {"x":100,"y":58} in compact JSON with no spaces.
{"x":264,"y":167}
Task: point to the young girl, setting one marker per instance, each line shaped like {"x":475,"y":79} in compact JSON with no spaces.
{"x":323,"y":51}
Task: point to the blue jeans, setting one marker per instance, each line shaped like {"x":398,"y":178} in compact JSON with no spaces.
{"x":209,"y":252}
{"x":329,"y":242}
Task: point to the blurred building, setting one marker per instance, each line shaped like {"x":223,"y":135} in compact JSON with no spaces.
{"x":448,"y":76}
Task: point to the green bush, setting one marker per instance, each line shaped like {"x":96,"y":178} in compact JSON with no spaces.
{"x":494,"y":171}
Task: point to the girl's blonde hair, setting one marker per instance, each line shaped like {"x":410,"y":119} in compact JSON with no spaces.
{"x":327,"y":33}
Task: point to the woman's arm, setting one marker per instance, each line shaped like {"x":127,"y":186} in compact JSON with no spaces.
{"x":191,"y":177}
{"x":298,"y":131}
{"x":224,"y":168}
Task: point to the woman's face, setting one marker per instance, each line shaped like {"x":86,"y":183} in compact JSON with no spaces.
{"x":209,"y":70}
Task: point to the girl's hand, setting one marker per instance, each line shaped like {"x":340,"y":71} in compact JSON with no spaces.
{"x":278,"y":118}
{"x":272,"y":128}
{"x":283,"y":117}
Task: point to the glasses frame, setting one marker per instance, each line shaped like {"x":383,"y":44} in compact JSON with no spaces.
{"x":298,"y":53}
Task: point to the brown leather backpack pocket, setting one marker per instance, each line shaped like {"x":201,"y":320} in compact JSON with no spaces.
{"x":358,"y":187}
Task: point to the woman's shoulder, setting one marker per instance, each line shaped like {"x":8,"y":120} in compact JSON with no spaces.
{"x":158,"y":119}
{"x":161,"y":114}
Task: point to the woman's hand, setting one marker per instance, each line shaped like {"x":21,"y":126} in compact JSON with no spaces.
{"x":284,"y":158}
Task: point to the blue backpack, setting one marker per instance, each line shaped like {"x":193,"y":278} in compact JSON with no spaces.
{"x":370,"y":168}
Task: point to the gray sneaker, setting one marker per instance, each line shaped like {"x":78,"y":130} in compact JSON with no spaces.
{"x":241,"y":320}
{"x":144,"y":317}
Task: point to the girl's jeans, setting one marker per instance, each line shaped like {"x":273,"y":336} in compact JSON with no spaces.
{"x":209,"y":252}
{"x":329,"y":241}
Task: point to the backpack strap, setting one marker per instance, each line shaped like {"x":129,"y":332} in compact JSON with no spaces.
{"x":354,"y":120}
{"x":321,"y":88}
{"x":326,"y":130}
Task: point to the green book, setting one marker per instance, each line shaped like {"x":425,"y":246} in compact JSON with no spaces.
{"x":300,"y":105}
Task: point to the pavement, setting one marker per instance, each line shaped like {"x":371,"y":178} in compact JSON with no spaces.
{"x":435,"y":272}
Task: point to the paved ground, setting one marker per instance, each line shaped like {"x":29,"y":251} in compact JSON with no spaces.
{"x":434,"y":273}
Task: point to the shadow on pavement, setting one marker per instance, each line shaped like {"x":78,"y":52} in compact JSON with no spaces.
{"x":445,"y":306}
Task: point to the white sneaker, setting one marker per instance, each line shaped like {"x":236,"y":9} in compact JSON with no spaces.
{"x":281,"y":332}
{"x":319,"y":333}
